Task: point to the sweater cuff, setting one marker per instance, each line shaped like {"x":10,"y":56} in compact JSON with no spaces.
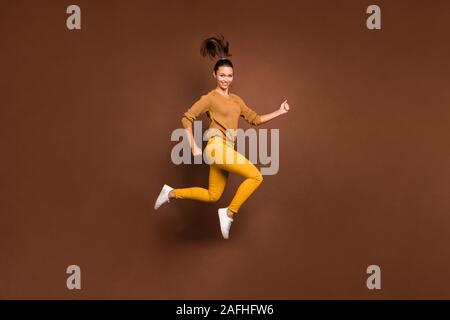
{"x":258,"y":120}
{"x":186,"y":122}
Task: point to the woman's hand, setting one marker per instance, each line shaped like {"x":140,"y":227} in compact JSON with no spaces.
{"x":196,"y":151}
{"x":284,"y":108}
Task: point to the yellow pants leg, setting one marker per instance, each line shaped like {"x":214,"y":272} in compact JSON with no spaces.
{"x":234,"y":162}
{"x":217,"y":182}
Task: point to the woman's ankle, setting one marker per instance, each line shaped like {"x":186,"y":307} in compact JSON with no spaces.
{"x":172,"y":194}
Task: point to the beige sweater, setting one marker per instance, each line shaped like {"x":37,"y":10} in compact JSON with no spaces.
{"x":223,"y":113}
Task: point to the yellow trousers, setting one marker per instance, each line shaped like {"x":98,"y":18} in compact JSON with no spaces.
{"x":224,"y":159}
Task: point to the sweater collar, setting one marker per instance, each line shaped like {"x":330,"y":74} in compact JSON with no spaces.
{"x":214,"y":91}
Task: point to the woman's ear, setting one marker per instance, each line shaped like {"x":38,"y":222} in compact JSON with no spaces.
{"x":214,"y":74}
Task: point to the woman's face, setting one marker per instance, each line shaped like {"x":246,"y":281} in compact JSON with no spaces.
{"x":224,"y":77}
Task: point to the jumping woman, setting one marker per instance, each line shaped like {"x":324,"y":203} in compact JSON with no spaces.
{"x":223,"y":110}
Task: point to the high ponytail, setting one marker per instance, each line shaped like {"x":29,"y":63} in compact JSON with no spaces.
{"x":217,"y":47}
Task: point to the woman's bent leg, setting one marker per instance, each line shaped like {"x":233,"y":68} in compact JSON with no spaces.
{"x":217,"y":182}
{"x":243,"y":167}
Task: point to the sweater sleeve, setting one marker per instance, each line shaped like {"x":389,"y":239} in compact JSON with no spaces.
{"x":199,"y":107}
{"x":249,"y":115}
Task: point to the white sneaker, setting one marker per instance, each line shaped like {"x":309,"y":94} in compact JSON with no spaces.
{"x":163,"y":196}
{"x":225,"y":222}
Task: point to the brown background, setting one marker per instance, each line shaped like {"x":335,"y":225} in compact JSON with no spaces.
{"x":364,"y":178}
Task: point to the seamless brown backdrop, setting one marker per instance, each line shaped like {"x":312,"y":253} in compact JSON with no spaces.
{"x":86,"y":118}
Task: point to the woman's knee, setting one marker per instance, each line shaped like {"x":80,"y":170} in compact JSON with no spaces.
{"x":214,"y":196}
{"x":258,"y":178}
